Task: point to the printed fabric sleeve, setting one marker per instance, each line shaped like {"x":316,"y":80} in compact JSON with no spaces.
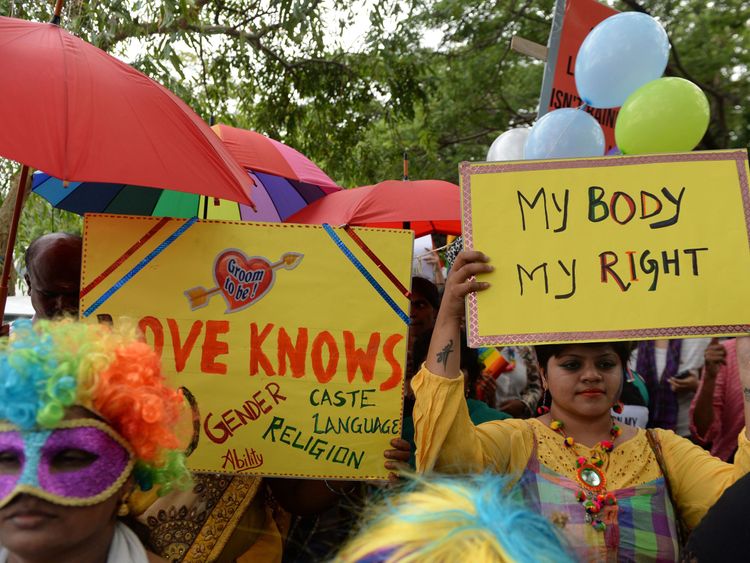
{"x":447,"y":440}
{"x":532,"y":394}
{"x":698,"y":479}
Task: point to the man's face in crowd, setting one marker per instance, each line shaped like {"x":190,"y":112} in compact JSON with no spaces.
{"x":53,"y":277}
{"x":422,"y":314}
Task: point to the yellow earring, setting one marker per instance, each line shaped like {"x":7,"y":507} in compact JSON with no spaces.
{"x":123,"y":509}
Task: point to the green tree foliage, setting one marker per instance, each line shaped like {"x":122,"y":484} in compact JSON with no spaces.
{"x":271,"y":65}
{"x":274,"y":66}
{"x":477,"y":88}
{"x":434,"y":77}
{"x":37,"y":218}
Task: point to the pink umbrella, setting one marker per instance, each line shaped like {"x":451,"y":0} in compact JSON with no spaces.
{"x":285,"y":179}
{"x":79,"y":114}
{"x":285,"y":182}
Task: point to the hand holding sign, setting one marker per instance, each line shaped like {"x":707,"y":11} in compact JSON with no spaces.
{"x":444,"y":356}
{"x":241,"y":280}
{"x":397,"y":459}
{"x":462,"y":281}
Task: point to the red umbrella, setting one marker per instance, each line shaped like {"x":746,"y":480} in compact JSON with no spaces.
{"x":285,"y":179}
{"x":79,"y":114}
{"x":259,"y":153}
{"x":285,"y":182}
{"x":425,"y":206}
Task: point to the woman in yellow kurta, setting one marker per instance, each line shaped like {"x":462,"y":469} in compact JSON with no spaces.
{"x":613,"y":490}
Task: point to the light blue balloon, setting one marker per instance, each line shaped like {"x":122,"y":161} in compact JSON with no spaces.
{"x":565,"y":133}
{"x":620,"y":55}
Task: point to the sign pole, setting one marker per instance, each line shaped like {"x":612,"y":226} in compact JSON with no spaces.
{"x":553,"y":46}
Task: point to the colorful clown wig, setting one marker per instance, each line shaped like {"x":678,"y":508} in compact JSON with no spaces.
{"x":441,"y":520}
{"x":50,"y":366}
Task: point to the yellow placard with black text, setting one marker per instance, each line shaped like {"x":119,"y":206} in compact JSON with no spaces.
{"x":613,"y":248}
{"x":289,"y":340}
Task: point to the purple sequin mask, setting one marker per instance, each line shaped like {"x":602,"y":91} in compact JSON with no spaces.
{"x":77,"y":463}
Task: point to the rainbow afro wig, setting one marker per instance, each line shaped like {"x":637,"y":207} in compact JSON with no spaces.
{"x":441,"y":520}
{"x":50,"y":366}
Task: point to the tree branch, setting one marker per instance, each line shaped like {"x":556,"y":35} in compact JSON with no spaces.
{"x":678,"y":69}
{"x":448,"y":142}
{"x":187,"y":23}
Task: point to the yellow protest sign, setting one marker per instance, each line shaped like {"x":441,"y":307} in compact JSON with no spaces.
{"x":631,"y":247}
{"x":289,"y":339}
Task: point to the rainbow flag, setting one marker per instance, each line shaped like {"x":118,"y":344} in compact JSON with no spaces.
{"x":495,"y":362}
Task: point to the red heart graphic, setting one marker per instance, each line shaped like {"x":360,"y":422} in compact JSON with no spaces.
{"x":242,"y":280}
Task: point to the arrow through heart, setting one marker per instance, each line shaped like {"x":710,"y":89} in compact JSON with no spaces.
{"x":240,"y":279}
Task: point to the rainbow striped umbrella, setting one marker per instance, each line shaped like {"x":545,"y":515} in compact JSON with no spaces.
{"x":285,"y":182}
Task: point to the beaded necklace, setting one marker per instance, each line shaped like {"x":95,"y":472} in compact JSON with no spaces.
{"x":593,"y":494}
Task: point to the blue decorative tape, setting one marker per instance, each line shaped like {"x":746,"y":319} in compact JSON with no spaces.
{"x":142,"y":264}
{"x":362,"y":270}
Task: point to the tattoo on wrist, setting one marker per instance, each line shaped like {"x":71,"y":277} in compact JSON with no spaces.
{"x":746,"y":393}
{"x":442,"y":357}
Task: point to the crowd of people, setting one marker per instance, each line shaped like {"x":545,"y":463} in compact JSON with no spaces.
{"x":571,"y":452}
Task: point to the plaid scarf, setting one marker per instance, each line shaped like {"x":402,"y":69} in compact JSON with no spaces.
{"x":452,"y":251}
{"x":662,"y":406}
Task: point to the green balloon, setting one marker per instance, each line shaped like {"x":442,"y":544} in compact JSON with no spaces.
{"x":664,"y":115}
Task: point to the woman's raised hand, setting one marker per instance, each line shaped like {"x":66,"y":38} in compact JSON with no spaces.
{"x":461,"y":281}
{"x":444,"y":357}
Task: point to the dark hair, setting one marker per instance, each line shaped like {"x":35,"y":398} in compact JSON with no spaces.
{"x":426,"y":289}
{"x":469,"y":358}
{"x":545,"y":351}
{"x":31,"y":251}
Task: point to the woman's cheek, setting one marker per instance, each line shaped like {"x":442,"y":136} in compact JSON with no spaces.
{"x":614,"y":382}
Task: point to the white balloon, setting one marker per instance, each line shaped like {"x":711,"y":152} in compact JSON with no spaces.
{"x":509,"y":145}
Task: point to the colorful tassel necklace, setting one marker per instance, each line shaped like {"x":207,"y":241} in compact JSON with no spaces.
{"x":593,"y":494}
